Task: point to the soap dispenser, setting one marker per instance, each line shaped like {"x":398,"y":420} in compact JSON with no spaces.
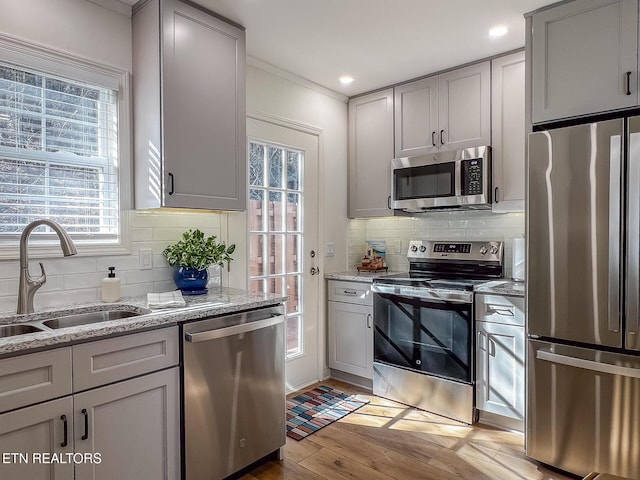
{"x":111,"y":287}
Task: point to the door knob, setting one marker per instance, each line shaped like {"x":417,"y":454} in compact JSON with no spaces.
{"x":312,"y":254}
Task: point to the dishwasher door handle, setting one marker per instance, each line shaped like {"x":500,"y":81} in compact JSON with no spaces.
{"x":233,"y":330}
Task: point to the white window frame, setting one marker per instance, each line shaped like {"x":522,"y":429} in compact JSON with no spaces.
{"x":29,"y":55}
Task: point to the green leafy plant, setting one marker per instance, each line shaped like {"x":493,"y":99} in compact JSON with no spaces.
{"x":197,"y":251}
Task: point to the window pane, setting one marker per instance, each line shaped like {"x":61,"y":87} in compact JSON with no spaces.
{"x":276,"y":254}
{"x":256,"y":164}
{"x":75,"y":197}
{"x":293,"y":253}
{"x":276,"y":212}
{"x":256,"y":285}
{"x":274,"y":285}
{"x":256,"y":210}
{"x":294,"y":337}
{"x":275,"y":167}
{"x":293,"y":290}
{"x":294,"y":208}
{"x":256,"y":255}
{"x":293,"y":170}
{"x":22,"y":193}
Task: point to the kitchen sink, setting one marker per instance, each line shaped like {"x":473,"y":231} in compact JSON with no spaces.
{"x":18,"y":329}
{"x":87,"y":318}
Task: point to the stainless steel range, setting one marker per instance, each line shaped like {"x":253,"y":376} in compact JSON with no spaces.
{"x":423,"y":340}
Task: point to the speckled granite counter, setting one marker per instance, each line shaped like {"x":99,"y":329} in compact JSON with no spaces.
{"x":502,"y":287}
{"x":218,"y":301}
{"x":355,"y":276}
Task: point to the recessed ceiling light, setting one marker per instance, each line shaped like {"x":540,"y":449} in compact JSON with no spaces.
{"x":346,"y":79}
{"x":498,"y":31}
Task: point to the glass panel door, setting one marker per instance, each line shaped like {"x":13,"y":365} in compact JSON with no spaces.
{"x":276,"y":230}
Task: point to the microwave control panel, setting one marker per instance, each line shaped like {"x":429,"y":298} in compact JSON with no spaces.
{"x":472,"y":176}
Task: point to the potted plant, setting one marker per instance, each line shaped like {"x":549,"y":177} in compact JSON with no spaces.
{"x":191,"y":256}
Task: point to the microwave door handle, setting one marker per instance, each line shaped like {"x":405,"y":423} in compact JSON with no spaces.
{"x":458,"y":178}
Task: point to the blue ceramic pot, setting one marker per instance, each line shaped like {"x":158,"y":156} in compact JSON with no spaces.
{"x":191,"y":281}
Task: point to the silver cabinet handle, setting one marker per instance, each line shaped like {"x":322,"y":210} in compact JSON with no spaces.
{"x":480,"y":341}
{"x":233,"y":330}
{"x":491,"y":309}
{"x":587,"y":364}
{"x":350,"y":292}
{"x":368,"y":320}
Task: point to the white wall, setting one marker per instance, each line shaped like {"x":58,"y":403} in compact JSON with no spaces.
{"x":397,"y":231}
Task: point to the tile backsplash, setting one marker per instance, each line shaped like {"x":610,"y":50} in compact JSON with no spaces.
{"x":397,"y":231}
{"x":77,"y":279}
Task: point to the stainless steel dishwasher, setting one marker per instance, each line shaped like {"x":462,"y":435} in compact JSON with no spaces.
{"x":233,"y":391}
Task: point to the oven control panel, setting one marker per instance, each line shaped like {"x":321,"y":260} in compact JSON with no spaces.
{"x":484,"y":251}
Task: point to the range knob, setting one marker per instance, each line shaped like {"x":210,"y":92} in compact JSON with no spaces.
{"x":483,"y":250}
{"x":414,"y":248}
{"x":423,"y":248}
{"x":493,"y":250}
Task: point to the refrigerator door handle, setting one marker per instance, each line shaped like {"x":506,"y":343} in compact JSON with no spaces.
{"x":633,"y":233}
{"x":587,"y":364}
{"x":614,"y":234}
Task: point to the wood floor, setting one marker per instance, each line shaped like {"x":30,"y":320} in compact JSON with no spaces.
{"x":385,"y":440}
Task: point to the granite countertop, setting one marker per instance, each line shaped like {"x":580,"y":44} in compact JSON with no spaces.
{"x":502,"y":287}
{"x":218,"y":301}
{"x":355,"y":276}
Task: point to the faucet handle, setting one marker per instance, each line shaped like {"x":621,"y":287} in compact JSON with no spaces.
{"x":43,"y":276}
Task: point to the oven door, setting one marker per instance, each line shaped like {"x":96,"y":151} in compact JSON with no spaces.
{"x":424,"y":330}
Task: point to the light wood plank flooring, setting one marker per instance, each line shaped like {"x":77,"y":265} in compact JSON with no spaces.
{"x":385,"y":440}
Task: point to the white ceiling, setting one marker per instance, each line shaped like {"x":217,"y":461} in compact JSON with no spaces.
{"x":377,"y":42}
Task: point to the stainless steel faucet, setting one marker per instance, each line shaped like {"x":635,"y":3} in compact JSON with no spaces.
{"x":28,"y":285}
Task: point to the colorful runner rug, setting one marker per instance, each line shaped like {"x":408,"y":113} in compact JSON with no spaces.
{"x":310,"y":411}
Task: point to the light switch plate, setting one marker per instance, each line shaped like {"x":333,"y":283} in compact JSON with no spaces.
{"x":146,"y":259}
{"x":330,"y":249}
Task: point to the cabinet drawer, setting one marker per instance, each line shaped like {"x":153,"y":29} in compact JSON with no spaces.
{"x":350,"y":292}
{"x":499,"y":309}
{"x":34,"y":378}
{"x":115,"y":359}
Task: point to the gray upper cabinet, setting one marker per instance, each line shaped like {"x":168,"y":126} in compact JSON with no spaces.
{"x":447,"y":111}
{"x":370,"y":154}
{"x":189,"y":108}
{"x":464,"y":107}
{"x":416,"y":117}
{"x":584,"y":58}
{"x":508,"y":132}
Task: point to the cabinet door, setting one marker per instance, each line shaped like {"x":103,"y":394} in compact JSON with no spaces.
{"x":134,"y":425}
{"x":500,"y":369}
{"x":507,"y":131}
{"x":581,"y":55}
{"x":36,"y":430}
{"x":464,"y":107}
{"x":416,"y":117}
{"x":204,"y":112}
{"x":370,"y":154}
{"x":351,"y":338}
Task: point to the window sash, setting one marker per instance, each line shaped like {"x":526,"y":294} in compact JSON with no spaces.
{"x":58,"y":156}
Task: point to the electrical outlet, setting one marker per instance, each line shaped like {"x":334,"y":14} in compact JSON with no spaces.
{"x":330,"y":249}
{"x":146,"y":259}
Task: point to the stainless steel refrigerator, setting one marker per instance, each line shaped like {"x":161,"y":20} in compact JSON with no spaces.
{"x":583,"y":284}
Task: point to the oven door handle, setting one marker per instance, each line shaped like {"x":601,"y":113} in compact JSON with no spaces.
{"x":431,"y":294}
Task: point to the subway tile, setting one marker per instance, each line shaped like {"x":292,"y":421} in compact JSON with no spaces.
{"x":9,"y":269}
{"x":136,"y":289}
{"x":68,"y":265}
{"x":83,"y":280}
{"x":166,"y":286}
{"x":9,"y":287}
{"x":64,"y":298}
{"x":8,"y":304}
{"x":120,"y":262}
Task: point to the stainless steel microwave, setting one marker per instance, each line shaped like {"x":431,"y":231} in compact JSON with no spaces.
{"x":459,"y":179}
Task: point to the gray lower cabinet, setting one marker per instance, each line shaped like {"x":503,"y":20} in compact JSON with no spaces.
{"x":132,"y":418}
{"x":33,"y":431}
{"x":370,"y":154}
{"x":584,"y":58}
{"x":135,"y":427}
{"x":350,"y":328}
{"x":189,"y":108}
{"x":500,"y":354}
